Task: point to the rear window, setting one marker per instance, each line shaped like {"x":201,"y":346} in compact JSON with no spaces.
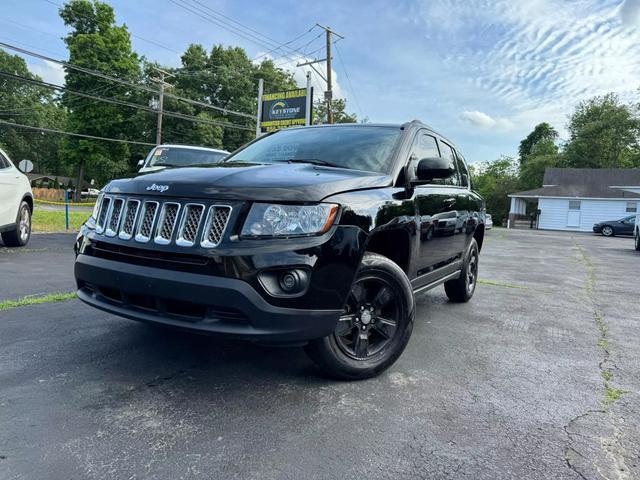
{"x":183,"y":157}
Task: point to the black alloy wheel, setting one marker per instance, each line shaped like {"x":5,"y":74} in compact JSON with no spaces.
{"x":370,"y":319}
{"x":375,"y":326}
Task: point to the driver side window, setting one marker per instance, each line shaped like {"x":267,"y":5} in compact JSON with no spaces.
{"x":424,"y":146}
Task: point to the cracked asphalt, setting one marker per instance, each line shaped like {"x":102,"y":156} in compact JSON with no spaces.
{"x":510,"y":385}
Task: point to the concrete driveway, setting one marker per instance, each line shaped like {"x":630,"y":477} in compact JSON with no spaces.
{"x":537,"y":377}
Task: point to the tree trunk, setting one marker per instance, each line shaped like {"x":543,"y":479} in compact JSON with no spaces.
{"x":80,"y":181}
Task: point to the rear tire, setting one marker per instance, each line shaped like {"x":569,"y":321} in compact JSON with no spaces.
{"x":607,"y":231}
{"x":461,"y":289}
{"x":375,"y":326}
{"x":20,"y":236}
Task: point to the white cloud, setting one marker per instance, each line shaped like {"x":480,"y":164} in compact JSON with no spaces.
{"x":48,"y":71}
{"x":482,"y":120}
{"x":630,"y":13}
{"x":531,"y":58}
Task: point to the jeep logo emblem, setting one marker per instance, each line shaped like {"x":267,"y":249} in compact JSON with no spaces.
{"x":157,"y":188}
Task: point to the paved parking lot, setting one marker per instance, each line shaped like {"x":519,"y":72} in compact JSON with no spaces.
{"x":537,"y":377}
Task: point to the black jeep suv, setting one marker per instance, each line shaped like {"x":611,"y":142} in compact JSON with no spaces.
{"x":317,"y":236}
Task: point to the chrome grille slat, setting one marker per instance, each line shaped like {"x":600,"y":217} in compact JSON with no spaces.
{"x":102,"y":216}
{"x":149,"y":211}
{"x":188,"y":230}
{"x":167,"y":222}
{"x":216,"y":224}
{"x":114,"y":217}
{"x":129,"y":222}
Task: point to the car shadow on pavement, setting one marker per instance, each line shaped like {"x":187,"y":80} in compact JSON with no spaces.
{"x":155,"y":355}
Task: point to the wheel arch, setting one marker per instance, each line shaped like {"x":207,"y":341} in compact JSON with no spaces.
{"x":29,"y":199}
{"x":478,"y":234}
{"x":394,"y":243}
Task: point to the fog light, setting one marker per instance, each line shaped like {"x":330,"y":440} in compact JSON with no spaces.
{"x":285,"y":283}
{"x":289,"y":281}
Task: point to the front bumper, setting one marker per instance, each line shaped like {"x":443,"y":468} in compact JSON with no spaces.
{"x":597,"y":228}
{"x":226,"y":297}
{"x":195,"y":302}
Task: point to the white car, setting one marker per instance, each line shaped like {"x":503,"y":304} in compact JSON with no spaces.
{"x":16,"y":204}
{"x":488,"y":222}
{"x":176,"y":156}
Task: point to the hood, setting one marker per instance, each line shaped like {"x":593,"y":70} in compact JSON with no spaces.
{"x":233,"y":181}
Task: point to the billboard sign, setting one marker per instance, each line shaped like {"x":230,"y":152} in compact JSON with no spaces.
{"x":284,"y":109}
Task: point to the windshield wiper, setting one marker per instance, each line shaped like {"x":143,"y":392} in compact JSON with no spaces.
{"x":170,"y":165}
{"x":314,"y":161}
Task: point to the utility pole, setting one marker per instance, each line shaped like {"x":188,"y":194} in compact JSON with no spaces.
{"x":328,"y":95}
{"x":259,"y":116}
{"x":160,"y":81}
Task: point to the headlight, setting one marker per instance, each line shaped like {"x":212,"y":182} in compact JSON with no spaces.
{"x":273,"y":220}
{"x":96,"y":207}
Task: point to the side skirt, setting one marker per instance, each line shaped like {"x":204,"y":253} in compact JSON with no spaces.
{"x":437,"y":277}
{"x":435,"y":283}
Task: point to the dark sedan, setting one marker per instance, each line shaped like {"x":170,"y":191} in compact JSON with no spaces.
{"x":622,"y":226}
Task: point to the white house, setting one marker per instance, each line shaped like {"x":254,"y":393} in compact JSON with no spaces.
{"x":576,"y":198}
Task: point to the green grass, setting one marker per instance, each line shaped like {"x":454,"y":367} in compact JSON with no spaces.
{"x":34,"y":300}
{"x":611,"y":395}
{"x":53,"y":221}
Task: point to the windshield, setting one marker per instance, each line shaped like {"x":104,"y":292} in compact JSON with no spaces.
{"x":183,"y":157}
{"x":355,"y":147}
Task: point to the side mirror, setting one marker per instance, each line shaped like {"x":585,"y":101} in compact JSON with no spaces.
{"x":140,"y":163}
{"x":434,"y":167}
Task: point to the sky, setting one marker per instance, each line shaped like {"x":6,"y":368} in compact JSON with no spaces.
{"x":483,"y":73}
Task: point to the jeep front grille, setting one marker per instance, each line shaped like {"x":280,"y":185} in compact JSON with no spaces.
{"x":216,"y":224}
{"x":189,"y":225}
{"x":149,"y":210}
{"x":129,"y":222}
{"x":164,"y":223}
{"x":114,"y":218}
{"x":102,"y":215}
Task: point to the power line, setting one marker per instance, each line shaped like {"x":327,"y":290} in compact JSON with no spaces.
{"x":154,"y":42}
{"x":121,"y":81}
{"x":288,"y":43}
{"x":114,"y":101}
{"x":81,"y":135}
{"x":257,"y":37}
{"x":346,"y":74}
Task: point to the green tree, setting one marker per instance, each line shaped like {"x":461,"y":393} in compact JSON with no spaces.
{"x":29,"y":104}
{"x":97,"y":43}
{"x":339,"y":107}
{"x":543,"y":132}
{"x":494,"y":181}
{"x":603,"y":133}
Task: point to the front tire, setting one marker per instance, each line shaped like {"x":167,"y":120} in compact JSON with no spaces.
{"x":461,"y":289}
{"x":607,"y":231}
{"x":637,"y":237}
{"x":20,"y":236}
{"x":375,"y":326}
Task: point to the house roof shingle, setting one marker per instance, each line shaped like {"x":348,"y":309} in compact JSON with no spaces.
{"x":585,"y":183}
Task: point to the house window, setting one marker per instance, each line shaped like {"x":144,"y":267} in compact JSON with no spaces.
{"x":574,"y":204}
{"x":632,"y":207}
